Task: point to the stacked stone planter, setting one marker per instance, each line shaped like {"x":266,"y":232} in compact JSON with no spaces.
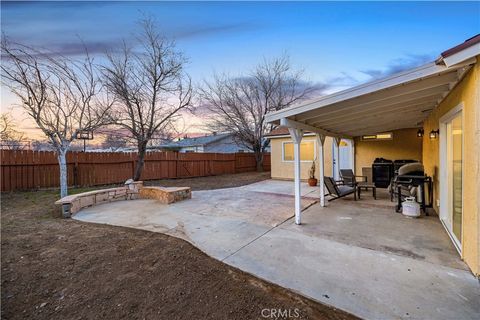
{"x":166,"y":195}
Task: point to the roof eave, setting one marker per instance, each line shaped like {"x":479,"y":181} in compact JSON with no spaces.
{"x":427,"y":70}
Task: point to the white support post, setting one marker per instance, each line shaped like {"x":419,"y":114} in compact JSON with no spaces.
{"x":352,"y":158}
{"x":336,"y":173}
{"x":297,"y":135}
{"x":321,"y":167}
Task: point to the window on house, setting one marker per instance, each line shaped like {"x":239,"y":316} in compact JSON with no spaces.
{"x":307,"y":151}
{"x":378,"y":136}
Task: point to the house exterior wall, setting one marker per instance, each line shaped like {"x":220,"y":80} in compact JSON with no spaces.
{"x":192,"y":149}
{"x":226,"y":145}
{"x":404,"y":145}
{"x":468,"y":93}
{"x":284,"y":170}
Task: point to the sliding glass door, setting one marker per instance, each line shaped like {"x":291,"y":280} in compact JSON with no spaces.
{"x":451,"y":184}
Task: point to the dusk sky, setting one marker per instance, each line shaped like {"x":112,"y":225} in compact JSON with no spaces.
{"x":339,"y":44}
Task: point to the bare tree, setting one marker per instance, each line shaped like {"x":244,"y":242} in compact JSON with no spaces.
{"x":60,"y":94}
{"x":114,"y":141}
{"x":239,"y":104}
{"x":10,"y":137}
{"x":151,"y":86}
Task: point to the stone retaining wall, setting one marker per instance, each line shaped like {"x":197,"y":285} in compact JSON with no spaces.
{"x":134,"y":190}
{"x":74,"y":203}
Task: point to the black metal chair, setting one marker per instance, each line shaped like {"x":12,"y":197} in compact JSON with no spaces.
{"x":339,"y":190}
{"x":349,"y":178}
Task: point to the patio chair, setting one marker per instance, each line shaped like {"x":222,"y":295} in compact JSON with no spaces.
{"x":338,"y":189}
{"x":349,"y":178}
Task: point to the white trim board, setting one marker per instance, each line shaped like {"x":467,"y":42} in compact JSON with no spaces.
{"x":444,"y":178}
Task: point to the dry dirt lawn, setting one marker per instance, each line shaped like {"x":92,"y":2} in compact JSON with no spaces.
{"x":54,"y":268}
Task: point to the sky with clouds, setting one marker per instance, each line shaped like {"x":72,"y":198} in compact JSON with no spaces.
{"x":339,"y":44}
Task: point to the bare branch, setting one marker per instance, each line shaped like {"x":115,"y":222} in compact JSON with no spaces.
{"x":239,"y":105}
{"x":150,"y":86}
{"x":61,"y":95}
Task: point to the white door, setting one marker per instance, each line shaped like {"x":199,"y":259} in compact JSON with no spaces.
{"x":451,"y":168}
{"x":344,"y":157}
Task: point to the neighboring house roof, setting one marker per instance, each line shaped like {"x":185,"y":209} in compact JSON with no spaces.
{"x":281,"y":132}
{"x":402,"y":100}
{"x":197,"y":141}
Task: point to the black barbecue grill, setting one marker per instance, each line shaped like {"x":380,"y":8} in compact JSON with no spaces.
{"x":399,"y":163}
{"x":410,"y":177}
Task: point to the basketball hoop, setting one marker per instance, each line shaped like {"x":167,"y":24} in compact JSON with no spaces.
{"x":84,"y":135}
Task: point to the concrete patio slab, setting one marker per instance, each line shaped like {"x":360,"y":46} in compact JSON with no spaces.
{"x":283,"y":188}
{"x":373,"y":224}
{"x":367,"y":283}
{"x":358,"y":256}
{"x":217,"y":221}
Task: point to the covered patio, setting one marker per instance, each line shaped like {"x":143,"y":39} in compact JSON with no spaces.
{"x":401,"y":101}
{"x":373,"y":224}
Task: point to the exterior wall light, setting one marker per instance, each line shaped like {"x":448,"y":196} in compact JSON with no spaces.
{"x":434,"y":134}
{"x":420,"y":133}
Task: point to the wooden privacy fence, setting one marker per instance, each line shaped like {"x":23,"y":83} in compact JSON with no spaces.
{"x":27,"y":170}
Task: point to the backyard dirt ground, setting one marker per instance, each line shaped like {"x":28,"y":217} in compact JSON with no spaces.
{"x":53,"y":268}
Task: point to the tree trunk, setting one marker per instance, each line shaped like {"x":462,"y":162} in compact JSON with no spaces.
{"x":142,"y":149}
{"x":259,"y":160}
{"x":62,"y":162}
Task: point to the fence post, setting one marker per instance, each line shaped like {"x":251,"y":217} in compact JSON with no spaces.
{"x":133,"y":168}
{"x":75,"y":172}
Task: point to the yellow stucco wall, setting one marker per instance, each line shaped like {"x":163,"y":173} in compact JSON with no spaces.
{"x":468,"y":93}
{"x":284,"y":170}
{"x":405,"y":145}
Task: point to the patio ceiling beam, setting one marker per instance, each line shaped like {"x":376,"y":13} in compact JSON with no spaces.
{"x":372,"y":123}
{"x":376,"y":102}
{"x":390,"y":126}
{"x":326,"y":122}
{"x":299,"y":125}
{"x":378,"y":120}
{"x":398,"y":91}
{"x":376,"y":107}
{"x":354,"y":116}
{"x":421,"y":73}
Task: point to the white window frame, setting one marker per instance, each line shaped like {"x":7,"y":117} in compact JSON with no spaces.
{"x":444,"y":195}
{"x":303,"y":141}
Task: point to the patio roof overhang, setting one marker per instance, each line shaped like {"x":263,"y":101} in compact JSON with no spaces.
{"x":403,"y":100}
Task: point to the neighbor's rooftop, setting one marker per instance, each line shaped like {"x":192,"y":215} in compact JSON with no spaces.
{"x":197,"y":141}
